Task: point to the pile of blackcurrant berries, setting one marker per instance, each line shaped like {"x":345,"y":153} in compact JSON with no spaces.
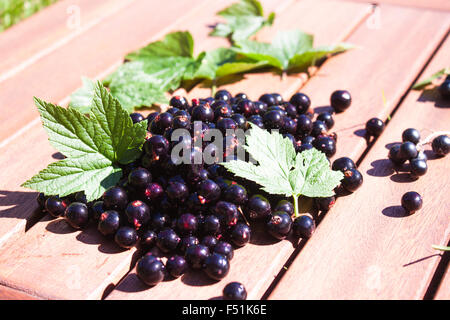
{"x":193,"y":215}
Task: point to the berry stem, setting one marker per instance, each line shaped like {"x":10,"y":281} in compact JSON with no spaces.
{"x":213,"y":88}
{"x":428,"y":139}
{"x":296,"y":213}
{"x":441,"y":248}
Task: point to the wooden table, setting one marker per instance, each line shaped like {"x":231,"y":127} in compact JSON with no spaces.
{"x":363,"y":248}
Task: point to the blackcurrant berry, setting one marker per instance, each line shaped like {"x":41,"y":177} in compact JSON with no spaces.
{"x":209,"y":241}
{"x":343,"y":164}
{"x":241,"y":96}
{"x":147,"y":240}
{"x":211,"y":224}
{"x":303,"y":227}
{"x":444,"y":89}
{"x":327,"y":118}
{"x":77,"y":215}
{"x":374,"y":127}
{"x":138,"y":213}
{"x":136,"y":117}
{"x":161,"y":122}
{"x":352,"y":180}
{"x":240,"y":121}
{"x":234,"y":291}
{"x":139,"y":178}
{"x":176,"y":266}
{"x":167,"y":240}
{"x":301,"y":101}
{"x":318,"y":128}
{"x":227,"y":213}
{"x":208,"y":191}
{"x":258,"y":207}
{"x":225,"y":249}
{"x":340,"y":100}
{"x":268,"y":99}
{"x":325,"y":144}
{"x":186,"y":242}
{"x":418,"y":168}
{"x":150,"y":270}
{"x":156,"y":146}
{"x":273,"y":119}
{"x":216,"y":266}
{"x":279,"y":225}
{"x":55,"y":206}
{"x":179,"y":102}
{"x":153,"y":192}
{"x":203,"y":113}
{"x":408,"y":150}
{"x":285,"y":206}
{"x":411,"y":201}
{"x":177,"y":191}
{"x":325,"y":203}
{"x":441,"y":145}
{"x":395,"y":155}
{"x":240,"y":234}
{"x":109,"y":222}
{"x":159,"y":220}
{"x":187,"y":224}
{"x":304,"y":125}
{"x":196,"y":255}
{"x":259,"y":107}
{"x":245,"y":107}
{"x":223,"y":95}
{"x":126,"y":237}
{"x":411,"y":135}
{"x":181,"y":122}
{"x":235,"y":193}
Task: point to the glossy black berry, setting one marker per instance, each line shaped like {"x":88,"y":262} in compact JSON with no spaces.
{"x":153,"y":192}
{"x":240,"y":234}
{"x":273,"y":119}
{"x":126,"y":237}
{"x":187,"y":224}
{"x":289,"y":126}
{"x":236,"y":194}
{"x":395,"y":155}
{"x":115,"y":198}
{"x":177,"y":191}
{"x":441,"y":145}
{"x":286,"y":206}
{"x":325,"y":144}
{"x":352,"y":180}
{"x":136,"y":117}
{"x":258,"y":207}
{"x":156,"y":146}
{"x":109,"y":222}
{"x":340,"y":100}
{"x":225,"y":124}
{"x":257,"y":120}
{"x":411,"y":201}
{"x":225,"y":249}
{"x":327,"y":118}
{"x":241,"y":96}
{"x":304,"y":125}
{"x":139,"y":178}
{"x":303,"y":147}
{"x":179,"y":102}
{"x":301,"y":101}
{"x":150,"y":270}
{"x":41,"y":198}
{"x":408,"y":150}
{"x":412,"y":135}
{"x":279,"y":224}
{"x":259,"y":107}
{"x":343,"y":164}
{"x":186,"y":242}
{"x":167,"y":240}
{"x":227,"y":213}
{"x":176,"y":266}
{"x":216,"y":266}
{"x":240,"y":121}
{"x":161,"y":122}
{"x":209,"y":241}
{"x":234,"y":291}
{"x":138,"y":213}
{"x":77,"y":215}
{"x":223,"y":95}
{"x":268,"y":99}
{"x":203,"y":113}
{"x":159,"y":220}
{"x":211,"y":225}
{"x":55,"y":206}
{"x":181,"y":122}
{"x":444,"y":89}
{"x":208,"y":191}
{"x":245,"y":107}
{"x":303,"y":227}
{"x":374,"y":127}
{"x":318,"y":128}
{"x":417,"y":167}
{"x":196,"y":255}
{"x":151,"y":117}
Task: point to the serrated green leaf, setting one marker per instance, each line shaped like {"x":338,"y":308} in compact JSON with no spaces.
{"x":81,"y":99}
{"x":243,"y":8}
{"x":91,"y":173}
{"x":175,"y":44}
{"x":422,"y":84}
{"x":94,"y":146}
{"x":280,"y":170}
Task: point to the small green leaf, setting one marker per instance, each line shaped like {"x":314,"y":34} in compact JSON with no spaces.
{"x":422,"y":84}
{"x":81,"y":99}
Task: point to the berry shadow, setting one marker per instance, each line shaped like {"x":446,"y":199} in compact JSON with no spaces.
{"x":59,"y":226}
{"x":431,"y":155}
{"x":402,"y":178}
{"x":390,"y":145}
{"x":196,"y":278}
{"x":131,"y":283}
{"x":381,"y":168}
{"x":432,"y":95}
{"x":323,"y":109}
{"x":20,"y":205}
{"x":395,"y":212}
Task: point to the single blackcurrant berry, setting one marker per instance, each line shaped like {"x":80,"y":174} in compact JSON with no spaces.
{"x":417,"y":167}
{"x":258,"y":207}
{"x":303,"y":227}
{"x":208,"y":191}
{"x":411,"y":202}
{"x":273,"y":119}
{"x":408,"y":150}
{"x":227,"y":213}
{"x":150,"y":270}
{"x":340,"y":100}
{"x":153,"y":192}
{"x":209,"y":241}
{"x":186,"y":242}
{"x":240,"y":234}
{"x":325,"y":203}
{"x":343,"y":164}
{"x":412,"y":135}
{"x":77,"y":215}
{"x":177,"y":191}
{"x":55,"y":206}
{"x":211,"y":224}
{"x":138,"y":213}
{"x":179,"y":102}
{"x":139,"y":178}
{"x":216,"y":266}
{"x":441,"y":145}
{"x":115,"y":198}
{"x":223,"y":95}
{"x":126,"y":237}
{"x":279,"y":225}
{"x":327,"y":118}
{"x":176,"y":266}
{"x":109,"y":222}
{"x":225,"y":249}
{"x":136,"y":117}
{"x":236,"y":194}
{"x":187,"y":224}
{"x":156,"y":146}
{"x":444,"y":89}
{"x":167,"y":240}
{"x":147,"y":240}
{"x":286,"y":206}
{"x":395,"y":155}
{"x":325,"y":144}
{"x":268,"y":99}
{"x":353,"y":179}
{"x":234,"y":291}
{"x":318,"y":128}
{"x":301,"y":101}
{"x":374,"y":127}
{"x":196,"y":255}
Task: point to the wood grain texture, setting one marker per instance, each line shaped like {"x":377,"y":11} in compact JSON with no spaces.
{"x":26,"y":42}
{"x":379,"y":72}
{"x":443,"y":292}
{"x":271,"y":255}
{"x":54,"y":261}
{"x":7,"y":293}
{"x":59,"y":73}
{"x":426,"y":4}
{"x":366,"y":248}
{"x":257,"y":83}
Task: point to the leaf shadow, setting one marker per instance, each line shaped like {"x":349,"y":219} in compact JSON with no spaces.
{"x":432,"y":95}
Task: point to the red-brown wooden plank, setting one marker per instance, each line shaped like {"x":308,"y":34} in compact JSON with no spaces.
{"x":58,"y":73}
{"x":366,"y":248}
{"x":443,"y":292}
{"x":270,"y":255}
{"x":426,"y":4}
{"x":7,"y":293}
{"x":28,"y":41}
